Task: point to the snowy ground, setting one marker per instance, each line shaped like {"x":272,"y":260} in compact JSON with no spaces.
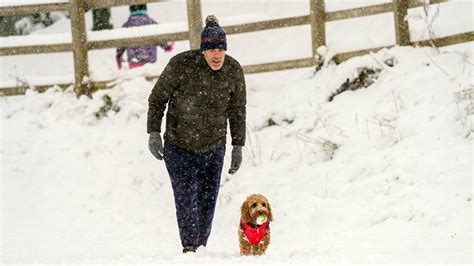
{"x":398,"y":188}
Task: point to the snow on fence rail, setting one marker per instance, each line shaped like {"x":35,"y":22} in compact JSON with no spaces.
{"x":317,"y":19}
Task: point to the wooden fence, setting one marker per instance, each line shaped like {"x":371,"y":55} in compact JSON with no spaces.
{"x":317,"y":20}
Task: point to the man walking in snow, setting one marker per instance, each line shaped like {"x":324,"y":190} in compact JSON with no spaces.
{"x":203,"y":89}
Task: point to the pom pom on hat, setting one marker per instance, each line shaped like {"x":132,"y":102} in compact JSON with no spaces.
{"x":213,"y":36}
{"x":211,"y":21}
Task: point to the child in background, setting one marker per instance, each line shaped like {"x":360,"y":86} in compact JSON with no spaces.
{"x":140,"y":55}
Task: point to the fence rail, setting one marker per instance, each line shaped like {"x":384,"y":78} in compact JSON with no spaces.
{"x":317,"y":19}
{"x":33,"y":9}
{"x":94,"y":4}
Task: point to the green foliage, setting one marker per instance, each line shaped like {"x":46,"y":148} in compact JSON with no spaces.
{"x":101,"y":19}
{"x":108,"y":106}
{"x":7,"y":25}
{"x":365,"y":78}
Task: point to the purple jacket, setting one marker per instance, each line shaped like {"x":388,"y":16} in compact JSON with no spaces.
{"x":144,"y":53}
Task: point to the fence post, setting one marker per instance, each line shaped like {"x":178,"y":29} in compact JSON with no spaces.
{"x":79,"y":47}
{"x":194,"y":22}
{"x":317,"y":18}
{"x":402,"y":32}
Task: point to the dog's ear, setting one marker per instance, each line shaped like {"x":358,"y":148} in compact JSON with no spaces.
{"x":270,"y":215}
{"x":244,"y":212}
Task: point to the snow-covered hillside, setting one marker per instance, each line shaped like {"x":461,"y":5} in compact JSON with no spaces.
{"x":397,"y":189}
{"x":382,"y":174}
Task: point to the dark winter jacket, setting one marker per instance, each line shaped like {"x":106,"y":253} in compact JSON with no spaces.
{"x":141,"y":54}
{"x":200,"y":101}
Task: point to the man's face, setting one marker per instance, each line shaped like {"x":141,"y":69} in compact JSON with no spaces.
{"x":214,"y":58}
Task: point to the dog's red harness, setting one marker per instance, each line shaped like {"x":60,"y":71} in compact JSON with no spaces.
{"x":254,"y":233}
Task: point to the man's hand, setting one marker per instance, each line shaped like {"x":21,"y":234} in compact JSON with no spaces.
{"x":236,"y":159}
{"x":155,"y":145}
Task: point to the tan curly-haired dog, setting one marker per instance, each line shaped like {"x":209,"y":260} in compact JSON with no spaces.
{"x":254,"y":236}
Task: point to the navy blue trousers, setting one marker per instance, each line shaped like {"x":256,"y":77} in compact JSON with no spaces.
{"x":195,"y":179}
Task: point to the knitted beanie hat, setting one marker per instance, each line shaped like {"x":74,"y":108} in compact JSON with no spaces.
{"x":213,"y":36}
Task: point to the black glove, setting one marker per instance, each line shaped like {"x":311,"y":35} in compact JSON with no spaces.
{"x":155,"y":145}
{"x":236,"y":159}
